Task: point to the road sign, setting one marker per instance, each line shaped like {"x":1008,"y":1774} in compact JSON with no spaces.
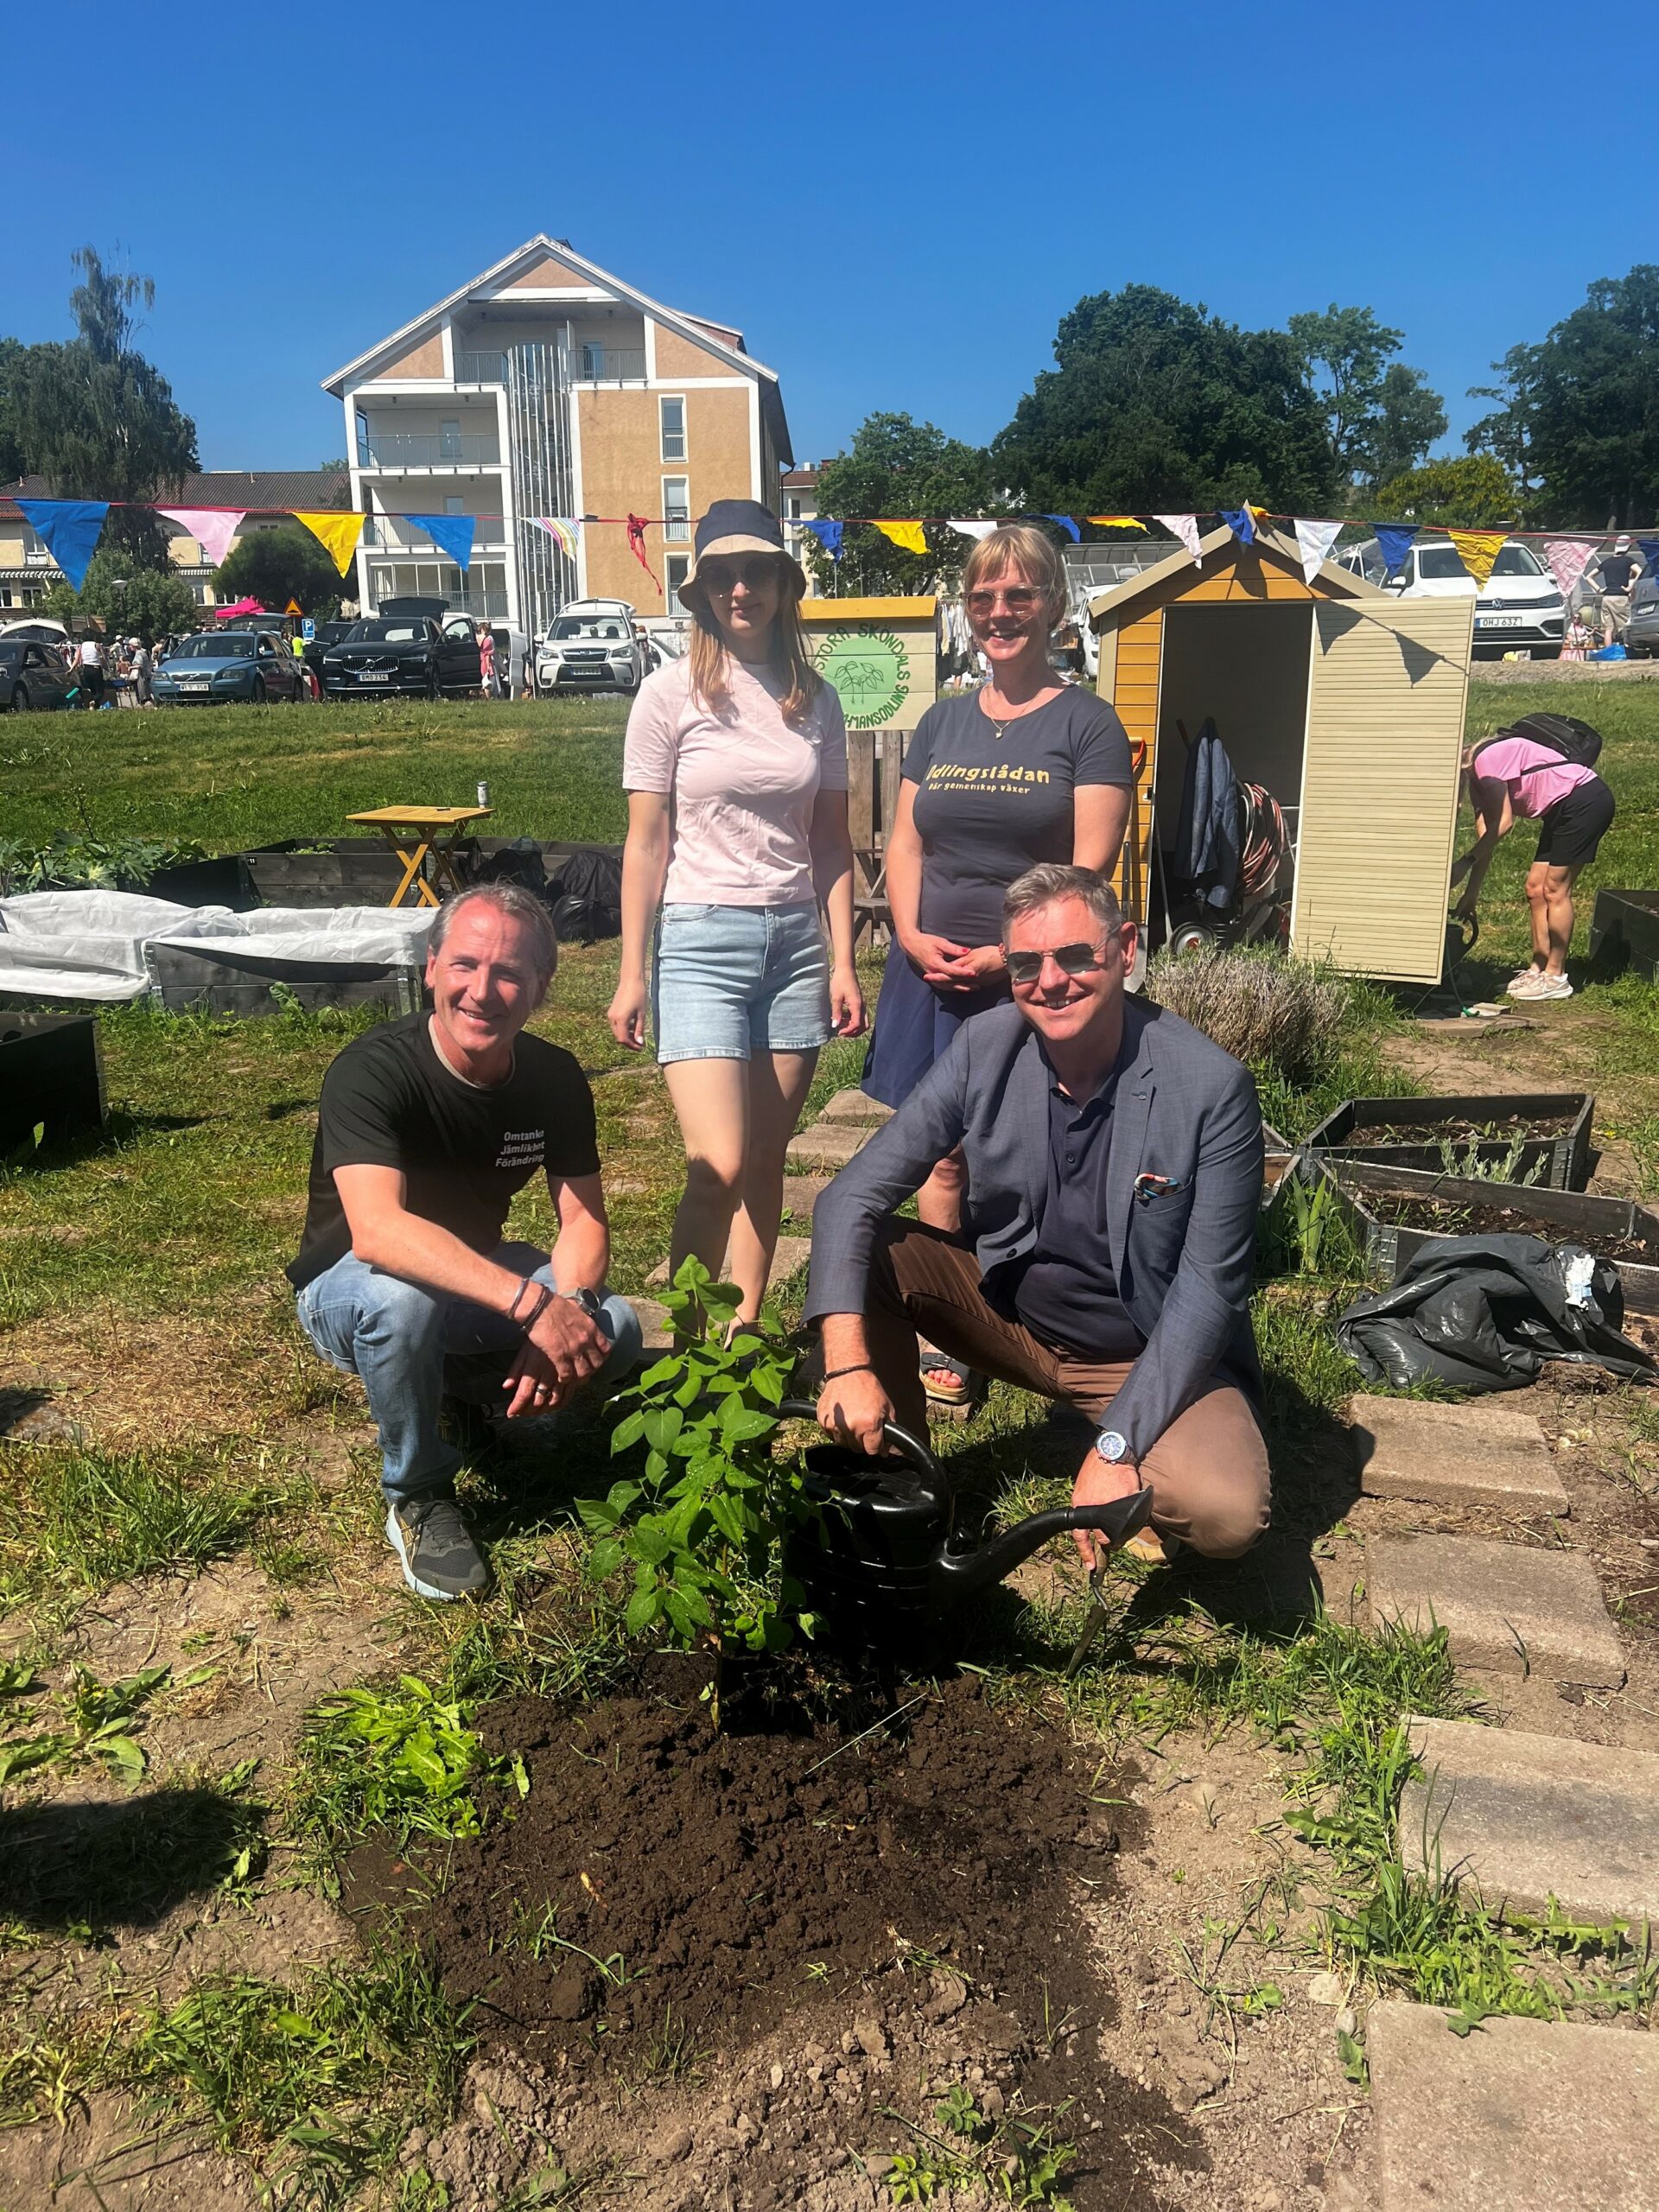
{"x":308,"y":630}
{"x":293,"y":607}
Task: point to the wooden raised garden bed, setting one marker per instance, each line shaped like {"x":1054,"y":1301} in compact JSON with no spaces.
{"x":1624,"y":933}
{"x":51,"y":1072}
{"x":1552,"y":1128}
{"x":1395,"y":1212}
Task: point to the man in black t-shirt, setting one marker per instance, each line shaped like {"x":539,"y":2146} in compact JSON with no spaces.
{"x":427,"y":1130}
{"x":1616,"y":573}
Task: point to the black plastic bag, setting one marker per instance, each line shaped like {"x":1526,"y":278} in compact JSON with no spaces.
{"x":589,"y":900}
{"x":1484,"y":1312}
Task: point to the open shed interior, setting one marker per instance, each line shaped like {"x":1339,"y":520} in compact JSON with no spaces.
{"x":1245,"y":669}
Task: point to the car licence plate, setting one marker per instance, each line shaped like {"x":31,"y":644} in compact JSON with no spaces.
{"x":374,"y":675}
{"x":193,"y":687}
{"x":1499,"y":621}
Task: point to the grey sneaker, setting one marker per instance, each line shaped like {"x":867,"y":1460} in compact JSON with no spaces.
{"x":440,"y":1559}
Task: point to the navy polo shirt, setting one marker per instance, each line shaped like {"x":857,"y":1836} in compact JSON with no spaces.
{"x":1067,"y":1293}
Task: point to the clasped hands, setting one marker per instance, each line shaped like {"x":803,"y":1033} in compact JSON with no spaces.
{"x":948,"y":966}
{"x":563,"y":1348}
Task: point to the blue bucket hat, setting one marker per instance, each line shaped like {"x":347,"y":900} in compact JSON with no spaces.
{"x":735,"y":526}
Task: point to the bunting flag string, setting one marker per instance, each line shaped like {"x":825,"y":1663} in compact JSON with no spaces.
{"x":1478,"y":549}
{"x":907,"y":535}
{"x":336,"y":531}
{"x":1117,"y":522}
{"x":69,"y":528}
{"x":971,"y":529}
{"x":1185,"y":527}
{"x":212,"y":527}
{"x":1649,"y":549}
{"x":1241,"y":521}
{"x":827,"y":535}
{"x":1067,"y":523}
{"x":1314,"y":541}
{"x":637,"y":528}
{"x":451,"y":534}
{"x":1393,"y":542}
{"x":563,"y":530}
{"x":1568,"y":558}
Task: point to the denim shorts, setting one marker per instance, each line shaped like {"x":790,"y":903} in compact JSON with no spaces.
{"x":733,"y":980}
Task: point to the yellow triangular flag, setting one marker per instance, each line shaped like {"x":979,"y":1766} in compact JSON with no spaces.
{"x":336,"y":532}
{"x":1478,"y":549}
{"x":1115,"y":522}
{"x":907,"y":535}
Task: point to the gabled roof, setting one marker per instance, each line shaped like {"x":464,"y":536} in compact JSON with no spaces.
{"x":1342,"y":583}
{"x":712,"y":337}
{"x":257,"y":490}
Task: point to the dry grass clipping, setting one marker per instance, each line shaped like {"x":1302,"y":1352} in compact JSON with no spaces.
{"x":1264,"y":1010}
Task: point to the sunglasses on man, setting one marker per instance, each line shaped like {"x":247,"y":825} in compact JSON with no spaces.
{"x":1070,"y":959}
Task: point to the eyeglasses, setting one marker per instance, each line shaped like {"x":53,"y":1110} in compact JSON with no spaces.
{"x":1070,"y":959}
{"x":720,"y":575}
{"x":1020,"y":599}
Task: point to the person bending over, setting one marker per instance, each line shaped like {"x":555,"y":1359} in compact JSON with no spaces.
{"x":1113,"y":1161}
{"x":428,"y":1127}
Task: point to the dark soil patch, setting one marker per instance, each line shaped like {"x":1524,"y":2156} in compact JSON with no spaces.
{"x":891,"y":1915}
{"x":1449,"y":1218}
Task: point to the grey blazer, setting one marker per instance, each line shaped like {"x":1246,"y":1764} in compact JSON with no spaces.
{"x":1184,"y":1258}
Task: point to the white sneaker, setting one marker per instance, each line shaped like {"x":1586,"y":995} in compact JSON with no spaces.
{"x":1551,"y":987}
{"x":1525,"y":985}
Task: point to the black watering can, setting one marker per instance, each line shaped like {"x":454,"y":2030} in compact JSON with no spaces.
{"x":883,"y":1566}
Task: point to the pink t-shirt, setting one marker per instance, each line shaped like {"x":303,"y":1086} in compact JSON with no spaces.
{"x":742,"y":783}
{"x":1536,"y":776}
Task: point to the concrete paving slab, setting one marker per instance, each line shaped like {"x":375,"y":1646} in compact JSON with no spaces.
{"x":855,"y":1106}
{"x":653,"y":1319}
{"x":1479,"y":1455}
{"x":1531,"y":1817}
{"x":1519,"y":2116}
{"x":1505,"y":1607}
{"x":801,"y":1193}
{"x":829,"y":1144}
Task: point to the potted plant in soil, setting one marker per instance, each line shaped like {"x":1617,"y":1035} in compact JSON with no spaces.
{"x":703,"y":1523}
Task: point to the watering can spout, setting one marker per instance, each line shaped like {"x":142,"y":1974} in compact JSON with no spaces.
{"x":958,"y":1574}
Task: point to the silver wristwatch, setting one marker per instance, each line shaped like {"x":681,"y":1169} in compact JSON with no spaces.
{"x":1112,"y":1446}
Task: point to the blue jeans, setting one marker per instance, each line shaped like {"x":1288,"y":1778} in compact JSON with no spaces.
{"x":730,"y":981}
{"x":394,"y":1336}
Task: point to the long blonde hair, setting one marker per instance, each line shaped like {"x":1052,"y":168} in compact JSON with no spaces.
{"x":788,"y":660}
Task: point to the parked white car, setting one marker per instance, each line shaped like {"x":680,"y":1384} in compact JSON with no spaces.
{"x":1520,"y":610}
{"x":35,"y":629}
{"x":594,"y":645}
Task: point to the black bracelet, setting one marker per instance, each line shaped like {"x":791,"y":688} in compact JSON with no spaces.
{"x":835,"y":1374}
{"x":536,"y":1311}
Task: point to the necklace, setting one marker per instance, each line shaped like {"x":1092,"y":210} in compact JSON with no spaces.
{"x":1002,"y":724}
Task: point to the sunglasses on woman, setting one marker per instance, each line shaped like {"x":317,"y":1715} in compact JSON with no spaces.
{"x":1070,"y":959}
{"x":1021,"y":600}
{"x":721,"y":576}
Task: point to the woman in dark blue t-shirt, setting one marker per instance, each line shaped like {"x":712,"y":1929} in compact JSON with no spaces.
{"x":1025,"y":769}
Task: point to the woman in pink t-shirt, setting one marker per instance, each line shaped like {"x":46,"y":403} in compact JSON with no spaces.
{"x":1512,"y":777}
{"x":736,"y":767}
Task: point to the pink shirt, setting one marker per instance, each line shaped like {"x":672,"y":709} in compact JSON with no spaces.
{"x":1536,"y":776}
{"x":741,"y":781}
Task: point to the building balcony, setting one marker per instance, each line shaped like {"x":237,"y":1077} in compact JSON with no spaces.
{"x":391,"y":534}
{"x":409,"y":449}
{"x":481,"y":368}
{"x":609,"y":365}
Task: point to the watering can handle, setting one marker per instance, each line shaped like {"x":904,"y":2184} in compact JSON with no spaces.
{"x":909,"y":1447}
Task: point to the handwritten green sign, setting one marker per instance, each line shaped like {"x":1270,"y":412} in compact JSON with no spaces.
{"x":870,"y":670}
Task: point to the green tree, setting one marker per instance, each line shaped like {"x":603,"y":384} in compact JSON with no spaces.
{"x":1475,"y":492}
{"x":11,"y":444}
{"x":274,"y":566}
{"x":93,"y":417}
{"x":1381,"y":416}
{"x":342,"y":469}
{"x":1157,"y":404}
{"x":1578,"y":421}
{"x":901,"y":470}
{"x":128,"y":599}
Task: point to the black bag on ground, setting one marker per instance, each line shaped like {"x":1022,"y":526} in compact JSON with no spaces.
{"x":1484,"y":1312}
{"x":588,"y":903}
{"x":519,"y":862}
{"x":1575,"y":740}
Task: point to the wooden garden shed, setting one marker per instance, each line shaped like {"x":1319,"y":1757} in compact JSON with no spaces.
{"x":1343,"y":701}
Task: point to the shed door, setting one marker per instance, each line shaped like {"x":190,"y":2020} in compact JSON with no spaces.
{"x":1385,"y":713}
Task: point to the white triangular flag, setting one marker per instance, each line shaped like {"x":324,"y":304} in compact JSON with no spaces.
{"x":1186,"y":527}
{"x":973,"y":529}
{"x":1315,"y":540}
{"x":212,"y":527}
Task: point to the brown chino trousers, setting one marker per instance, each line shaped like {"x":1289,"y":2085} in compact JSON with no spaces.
{"x":1208,"y":1472}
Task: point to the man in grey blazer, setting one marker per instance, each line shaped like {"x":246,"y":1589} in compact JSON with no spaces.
{"x":1113,"y":1161}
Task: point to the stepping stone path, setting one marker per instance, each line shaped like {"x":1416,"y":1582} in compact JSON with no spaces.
{"x":1531,"y":1817}
{"x":829,"y":1144}
{"x":1518,"y":2116}
{"x":791,"y":1256}
{"x":1514,"y":1611}
{"x":1471,"y":1454}
{"x":855,"y":1106}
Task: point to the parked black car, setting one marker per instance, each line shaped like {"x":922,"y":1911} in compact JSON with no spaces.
{"x":328,"y":634}
{"x":32,"y":675}
{"x":1642,"y":631}
{"x":402,"y":654}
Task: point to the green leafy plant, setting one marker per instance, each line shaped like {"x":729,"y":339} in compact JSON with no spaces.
{"x":1468,"y":1161}
{"x":102,"y":1722}
{"x":702,"y":1524}
{"x":82,"y":863}
{"x":404,"y":1758}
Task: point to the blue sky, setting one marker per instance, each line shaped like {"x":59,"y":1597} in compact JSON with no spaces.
{"x":896,"y":203}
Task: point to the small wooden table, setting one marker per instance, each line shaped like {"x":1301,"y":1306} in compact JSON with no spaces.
{"x":435,"y":831}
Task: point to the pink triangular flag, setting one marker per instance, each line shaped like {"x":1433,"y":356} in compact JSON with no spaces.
{"x":1186,"y":527}
{"x":212,"y":527}
{"x":1568,"y":558}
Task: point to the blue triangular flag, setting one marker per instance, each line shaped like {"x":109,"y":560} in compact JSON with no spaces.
{"x":1650,"y":551}
{"x":453,"y":533}
{"x":827,"y":535}
{"x":1068,"y":525}
{"x":1394,"y":543}
{"x":1241,"y":521}
{"x":69,"y":528}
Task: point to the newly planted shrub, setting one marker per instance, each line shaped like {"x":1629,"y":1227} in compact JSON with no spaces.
{"x":702,"y":1524}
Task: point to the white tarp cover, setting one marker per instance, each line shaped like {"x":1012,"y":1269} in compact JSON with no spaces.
{"x":91,"y":945}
